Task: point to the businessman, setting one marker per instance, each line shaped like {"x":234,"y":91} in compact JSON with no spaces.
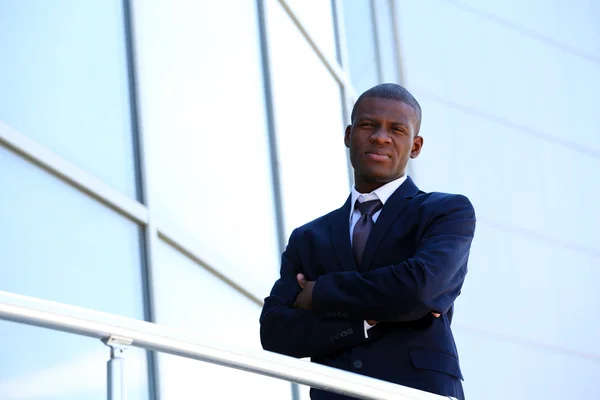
{"x":370,"y":287}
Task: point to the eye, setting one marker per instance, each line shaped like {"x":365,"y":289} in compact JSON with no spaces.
{"x":366,"y":124}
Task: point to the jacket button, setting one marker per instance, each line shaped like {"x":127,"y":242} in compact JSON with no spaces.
{"x":358,"y":364}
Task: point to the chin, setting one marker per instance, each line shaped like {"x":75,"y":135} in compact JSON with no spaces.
{"x":375,"y":174}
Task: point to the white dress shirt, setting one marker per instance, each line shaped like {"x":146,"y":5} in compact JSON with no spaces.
{"x":382,"y":193}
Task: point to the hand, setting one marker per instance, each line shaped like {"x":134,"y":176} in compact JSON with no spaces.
{"x":437,"y":315}
{"x":304,"y":299}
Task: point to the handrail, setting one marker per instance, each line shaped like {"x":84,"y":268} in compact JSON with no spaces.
{"x":150,"y":336}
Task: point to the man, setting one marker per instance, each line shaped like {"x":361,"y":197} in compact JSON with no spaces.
{"x":370,"y":287}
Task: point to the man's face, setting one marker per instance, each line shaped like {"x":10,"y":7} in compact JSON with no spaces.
{"x":381,"y":139}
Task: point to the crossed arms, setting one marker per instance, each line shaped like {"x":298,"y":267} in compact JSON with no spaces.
{"x":328,"y":315}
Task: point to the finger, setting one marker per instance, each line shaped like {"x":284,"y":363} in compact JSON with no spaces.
{"x":301,"y":280}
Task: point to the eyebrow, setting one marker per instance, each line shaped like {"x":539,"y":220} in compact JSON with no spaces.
{"x":369,"y":117}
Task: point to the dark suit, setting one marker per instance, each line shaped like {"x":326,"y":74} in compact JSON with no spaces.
{"x":415,"y":262}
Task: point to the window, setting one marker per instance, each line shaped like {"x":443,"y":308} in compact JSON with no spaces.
{"x":203,"y":112}
{"x":308,"y":118}
{"x":317,"y":18}
{"x":59,"y":244}
{"x":188,"y":297}
{"x":41,"y":364}
{"x":63,"y":82}
{"x":360,"y":43}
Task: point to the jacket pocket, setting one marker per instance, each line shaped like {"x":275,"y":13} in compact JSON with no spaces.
{"x":435,"y":360}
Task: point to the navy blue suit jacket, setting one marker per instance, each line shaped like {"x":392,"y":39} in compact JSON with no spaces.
{"x":414,"y":262}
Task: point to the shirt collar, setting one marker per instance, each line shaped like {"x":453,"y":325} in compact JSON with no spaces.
{"x":382,"y":193}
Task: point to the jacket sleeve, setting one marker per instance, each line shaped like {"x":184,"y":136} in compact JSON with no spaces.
{"x":302,"y":333}
{"x":429,"y":281}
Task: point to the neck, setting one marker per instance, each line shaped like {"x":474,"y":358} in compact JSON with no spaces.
{"x":366,"y":186}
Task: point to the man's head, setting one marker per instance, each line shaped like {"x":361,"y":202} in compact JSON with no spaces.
{"x":383,"y":135}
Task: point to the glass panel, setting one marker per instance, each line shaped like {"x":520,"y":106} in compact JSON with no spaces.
{"x":188,"y":297}
{"x":61,"y":245}
{"x":576,"y":298}
{"x":58,"y":244}
{"x":580,"y":91}
{"x":497,"y":368}
{"x":574,"y":24}
{"x":587,"y":171}
{"x":63,"y":81}
{"x":387,"y":45}
{"x":464,"y":56}
{"x":570,"y":25}
{"x":490,"y":137}
{"x":503,"y":258}
{"x":360,"y":44}
{"x":594,"y":14}
{"x":434,"y":166}
{"x":317,"y":18}
{"x":203,"y":110}
{"x":312,"y":156}
{"x":40,"y":364}
{"x":422,"y":53}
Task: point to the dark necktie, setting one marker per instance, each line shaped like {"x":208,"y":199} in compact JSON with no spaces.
{"x":363,"y":227}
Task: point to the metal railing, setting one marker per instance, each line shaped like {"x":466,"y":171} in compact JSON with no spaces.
{"x":121,"y":332}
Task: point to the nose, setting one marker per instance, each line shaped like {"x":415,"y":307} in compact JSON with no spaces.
{"x":380,"y":136}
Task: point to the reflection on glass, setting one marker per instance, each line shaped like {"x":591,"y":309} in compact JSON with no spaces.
{"x":63,"y":82}
{"x":310,"y":130}
{"x":59,"y":244}
{"x":316,"y":16}
{"x":190,"y":298}
{"x":203,"y":110}
{"x":360,"y":43}
{"x":41,"y":364}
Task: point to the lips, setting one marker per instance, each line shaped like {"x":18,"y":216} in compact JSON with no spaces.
{"x":378,"y":155}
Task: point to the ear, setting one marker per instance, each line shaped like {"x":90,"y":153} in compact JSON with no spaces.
{"x":416,"y":147}
{"x":347,"y":136}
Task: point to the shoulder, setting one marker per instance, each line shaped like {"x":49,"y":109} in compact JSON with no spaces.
{"x":445,"y":203}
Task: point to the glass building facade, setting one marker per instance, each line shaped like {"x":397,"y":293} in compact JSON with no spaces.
{"x":155,"y":155}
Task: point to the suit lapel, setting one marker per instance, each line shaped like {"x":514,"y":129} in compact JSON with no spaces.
{"x":389,"y":214}
{"x":340,"y":236}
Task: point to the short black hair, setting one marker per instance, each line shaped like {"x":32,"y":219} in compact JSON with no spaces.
{"x":391,"y":91}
